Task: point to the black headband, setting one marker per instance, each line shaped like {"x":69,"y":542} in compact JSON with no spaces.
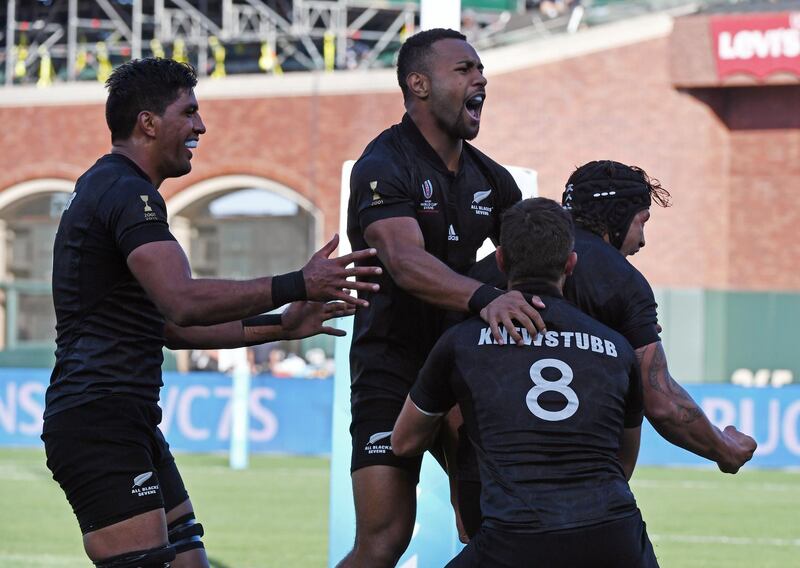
{"x":612,"y":202}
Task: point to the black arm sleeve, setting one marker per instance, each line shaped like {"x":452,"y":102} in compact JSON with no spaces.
{"x":135,"y":214}
{"x":379,"y":193}
{"x":433,"y":391}
{"x":640,"y":312}
{"x":634,"y":403}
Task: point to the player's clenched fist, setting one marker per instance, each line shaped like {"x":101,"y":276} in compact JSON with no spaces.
{"x":327,"y":278}
{"x":740,"y":449}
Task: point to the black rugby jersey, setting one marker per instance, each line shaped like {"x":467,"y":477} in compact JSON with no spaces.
{"x":604,"y":285}
{"x":610,"y":289}
{"x":109,"y":335}
{"x":545,"y":419}
{"x":400,"y":175}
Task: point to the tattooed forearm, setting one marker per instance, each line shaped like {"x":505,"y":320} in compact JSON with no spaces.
{"x":653,"y":362}
{"x":680,"y":420}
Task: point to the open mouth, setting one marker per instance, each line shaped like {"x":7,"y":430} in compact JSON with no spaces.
{"x":190,"y":145}
{"x":474,"y":104}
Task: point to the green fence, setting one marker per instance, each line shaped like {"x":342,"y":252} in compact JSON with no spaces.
{"x":710,"y":335}
{"x":719,"y":336}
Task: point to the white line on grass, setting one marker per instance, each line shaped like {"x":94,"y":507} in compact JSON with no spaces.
{"x":12,"y":472}
{"x":710,"y":485}
{"x":697,"y":539}
{"x":40,"y":560}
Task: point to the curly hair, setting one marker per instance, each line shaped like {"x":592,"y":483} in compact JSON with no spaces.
{"x":603,"y":196}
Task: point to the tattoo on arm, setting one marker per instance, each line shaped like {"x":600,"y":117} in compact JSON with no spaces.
{"x":653,"y":361}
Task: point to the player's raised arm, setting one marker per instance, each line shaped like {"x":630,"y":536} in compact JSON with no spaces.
{"x":679,"y":419}
{"x":401,"y":248}
{"x":163,"y":271}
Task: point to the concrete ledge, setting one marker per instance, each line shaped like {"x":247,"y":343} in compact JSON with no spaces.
{"x":497,"y":62}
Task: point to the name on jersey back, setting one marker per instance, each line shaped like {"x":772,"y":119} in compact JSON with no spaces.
{"x":569,"y":339}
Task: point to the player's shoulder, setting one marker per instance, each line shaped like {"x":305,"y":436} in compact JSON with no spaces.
{"x":117,"y":172}
{"x":108,"y":182}
{"x":563,"y":313}
{"x":499,"y":171}
{"x":600,"y":260}
{"x":464,"y":333}
{"x":383,"y":154}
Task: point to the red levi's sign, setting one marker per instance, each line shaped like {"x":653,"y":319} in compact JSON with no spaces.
{"x":757,"y":44}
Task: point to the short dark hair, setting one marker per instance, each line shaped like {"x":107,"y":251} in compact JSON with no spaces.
{"x":537,"y":236}
{"x":604,"y":196}
{"x":150,"y":84}
{"x":414,"y":53}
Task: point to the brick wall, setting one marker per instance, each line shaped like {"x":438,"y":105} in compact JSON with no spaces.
{"x":730,"y":158}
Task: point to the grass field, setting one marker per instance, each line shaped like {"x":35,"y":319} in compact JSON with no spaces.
{"x":275,"y":514}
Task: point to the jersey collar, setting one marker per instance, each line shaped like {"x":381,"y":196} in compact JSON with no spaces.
{"x":421,"y":145}
{"x":539,"y":287}
{"x":131,"y":163}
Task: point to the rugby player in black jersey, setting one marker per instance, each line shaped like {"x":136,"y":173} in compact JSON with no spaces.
{"x":555,"y":424}
{"x":426,"y":200}
{"x":123,"y":289}
{"x":610,"y":203}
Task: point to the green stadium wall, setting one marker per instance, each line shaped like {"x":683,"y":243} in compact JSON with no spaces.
{"x":712,"y":336}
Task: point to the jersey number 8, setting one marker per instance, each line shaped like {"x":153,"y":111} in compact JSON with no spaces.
{"x":559,"y":386}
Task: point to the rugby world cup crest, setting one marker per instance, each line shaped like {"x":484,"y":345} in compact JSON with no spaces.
{"x":427,"y":189}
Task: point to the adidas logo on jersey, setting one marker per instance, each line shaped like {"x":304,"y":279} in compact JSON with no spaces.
{"x":451,"y":234}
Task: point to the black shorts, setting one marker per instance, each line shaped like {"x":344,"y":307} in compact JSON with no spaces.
{"x":621,"y":543}
{"x":372,"y":443}
{"x":112,"y":461}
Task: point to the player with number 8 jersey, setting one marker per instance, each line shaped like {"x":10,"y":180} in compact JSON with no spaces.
{"x":555,"y":423}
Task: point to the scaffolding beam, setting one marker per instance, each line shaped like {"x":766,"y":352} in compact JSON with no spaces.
{"x":72,"y":29}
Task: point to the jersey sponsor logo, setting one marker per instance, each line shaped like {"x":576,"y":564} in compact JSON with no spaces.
{"x":373,"y":447}
{"x":140,"y":489}
{"x":479,"y":196}
{"x":376,"y":197}
{"x":451,"y":234}
{"x":568,"y":339}
{"x":149,"y":214}
{"x":70,"y":200}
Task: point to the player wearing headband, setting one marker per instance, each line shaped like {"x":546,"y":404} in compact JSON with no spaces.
{"x":555,"y":423}
{"x":610,"y":203}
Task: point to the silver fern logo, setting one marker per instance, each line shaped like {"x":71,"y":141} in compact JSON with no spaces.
{"x":477,"y":198}
{"x":481,"y":195}
{"x":139,"y":480}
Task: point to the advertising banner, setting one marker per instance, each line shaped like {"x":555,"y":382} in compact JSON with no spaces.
{"x":286,"y":415}
{"x":757,"y":44}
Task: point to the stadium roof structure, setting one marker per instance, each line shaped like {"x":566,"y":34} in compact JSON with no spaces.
{"x":48,"y":41}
